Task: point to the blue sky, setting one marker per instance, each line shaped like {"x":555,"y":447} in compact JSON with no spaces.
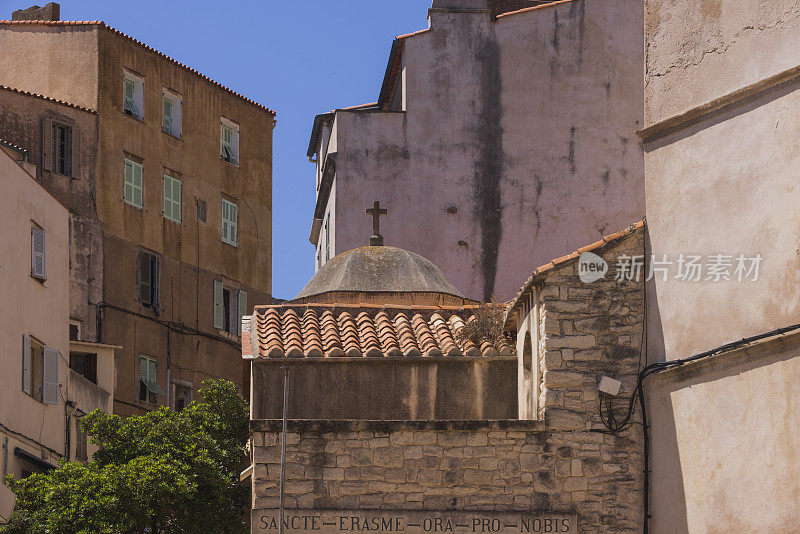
{"x":298,"y":58}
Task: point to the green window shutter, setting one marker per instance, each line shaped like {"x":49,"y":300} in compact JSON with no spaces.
{"x":167,"y":208}
{"x":137,"y":184}
{"x":166,"y":122}
{"x":219,"y":311}
{"x":130,"y":98}
{"x":234,"y":219}
{"x":176,"y":200}
{"x":127,"y":194}
{"x":242,"y":308}
{"x":27,"y":365}
{"x":50,"y":376}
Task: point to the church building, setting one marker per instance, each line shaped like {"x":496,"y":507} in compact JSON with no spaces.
{"x":407,"y":412}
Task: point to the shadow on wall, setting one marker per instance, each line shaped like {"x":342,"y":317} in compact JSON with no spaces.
{"x":654,"y":334}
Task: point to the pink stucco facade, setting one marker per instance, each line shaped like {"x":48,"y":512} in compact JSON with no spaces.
{"x":504,"y":144}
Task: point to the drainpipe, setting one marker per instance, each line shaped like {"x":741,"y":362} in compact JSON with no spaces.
{"x":68,"y":418}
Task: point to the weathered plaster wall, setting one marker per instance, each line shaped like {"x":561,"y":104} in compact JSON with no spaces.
{"x":34,"y":308}
{"x":699,"y":51}
{"x":57,"y":61}
{"x":503,"y":158}
{"x":733,"y":177}
{"x":724,"y":454}
{"x":186,"y":297}
{"x":21,"y":124}
{"x":459,"y":388}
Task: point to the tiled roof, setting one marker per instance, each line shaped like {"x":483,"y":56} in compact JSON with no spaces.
{"x":371,"y":331}
{"x":12,"y":146}
{"x":36,"y":95}
{"x":101,"y":24}
{"x":538,"y":272}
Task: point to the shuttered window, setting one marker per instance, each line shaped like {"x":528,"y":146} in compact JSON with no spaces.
{"x":172,"y":198}
{"x":171,"y":113}
{"x":40,"y":367}
{"x":230,"y":222}
{"x":133,"y":96}
{"x":38,"y":256}
{"x":147,"y":279}
{"x":148,"y":380}
{"x":132,"y":192}
{"x":229,"y":142}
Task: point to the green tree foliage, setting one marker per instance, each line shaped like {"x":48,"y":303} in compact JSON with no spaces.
{"x":166,"y":471}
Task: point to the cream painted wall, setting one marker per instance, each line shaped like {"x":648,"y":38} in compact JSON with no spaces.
{"x":725,"y":453}
{"x":702,"y":50}
{"x":40,"y":310}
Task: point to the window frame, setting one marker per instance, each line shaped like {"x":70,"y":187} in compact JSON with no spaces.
{"x":232,"y":144}
{"x":150,"y":393}
{"x":152,"y":283}
{"x":232,"y":223}
{"x":132,"y":183}
{"x":176,"y":112}
{"x":171,"y":202}
{"x":137,"y":83}
{"x":67,"y":149}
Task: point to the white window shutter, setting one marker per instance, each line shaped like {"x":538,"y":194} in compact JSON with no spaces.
{"x":50,"y":376}
{"x":26,"y":364}
{"x":234,"y":227}
{"x":242,"y":309}
{"x":38,"y":258}
{"x":219,"y":310}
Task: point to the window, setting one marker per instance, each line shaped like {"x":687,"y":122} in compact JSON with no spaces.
{"x":132,"y":192}
{"x":60,"y":145}
{"x":74,"y":330}
{"x":80,"y":443}
{"x":171,"y":114}
{"x":148,"y":380}
{"x":62,"y":149}
{"x":38,"y":253}
{"x":147,"y":280}
{"x":85,"y":365}
{"x":39,"y":371}
{"x":230,"y":222}
{"x":183,"y":396}
{"x":229,"y":142}
{"x":133,"y":103}
{"x":229,"y":307}
{"x":172,"y":198}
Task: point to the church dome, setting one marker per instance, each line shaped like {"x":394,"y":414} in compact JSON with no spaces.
{"x":362,"y":273}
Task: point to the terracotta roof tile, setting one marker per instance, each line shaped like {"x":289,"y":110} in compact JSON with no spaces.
{"x":103,"y":25}
{"x":367,"y":331}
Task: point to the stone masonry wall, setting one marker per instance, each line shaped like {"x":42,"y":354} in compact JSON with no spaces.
{"x":560,"y":463}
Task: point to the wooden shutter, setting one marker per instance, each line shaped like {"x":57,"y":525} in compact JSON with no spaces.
{"x":38,"y":259}
{"x":137,"y":184}
{"x":242,"y":309}
{"x":224,"y":218}
{"x":75,"y":152}
{"x":47,"y":144}
{"x":234,"y":224}
{"x":26,"y":364}
{"x":50,"y":376}
{"x":145,"y":279}
{"x":219,"y":311}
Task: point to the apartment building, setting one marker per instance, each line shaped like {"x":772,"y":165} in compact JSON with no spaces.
{"x":48,"y":383}
{"x":168,"y":176}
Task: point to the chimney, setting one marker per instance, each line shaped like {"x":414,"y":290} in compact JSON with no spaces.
{"x":51,"y":11}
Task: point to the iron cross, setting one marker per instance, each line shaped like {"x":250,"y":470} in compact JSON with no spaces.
{"x":376,"y":239}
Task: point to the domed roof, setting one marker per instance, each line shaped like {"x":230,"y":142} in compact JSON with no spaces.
{"x":378,"y":270}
